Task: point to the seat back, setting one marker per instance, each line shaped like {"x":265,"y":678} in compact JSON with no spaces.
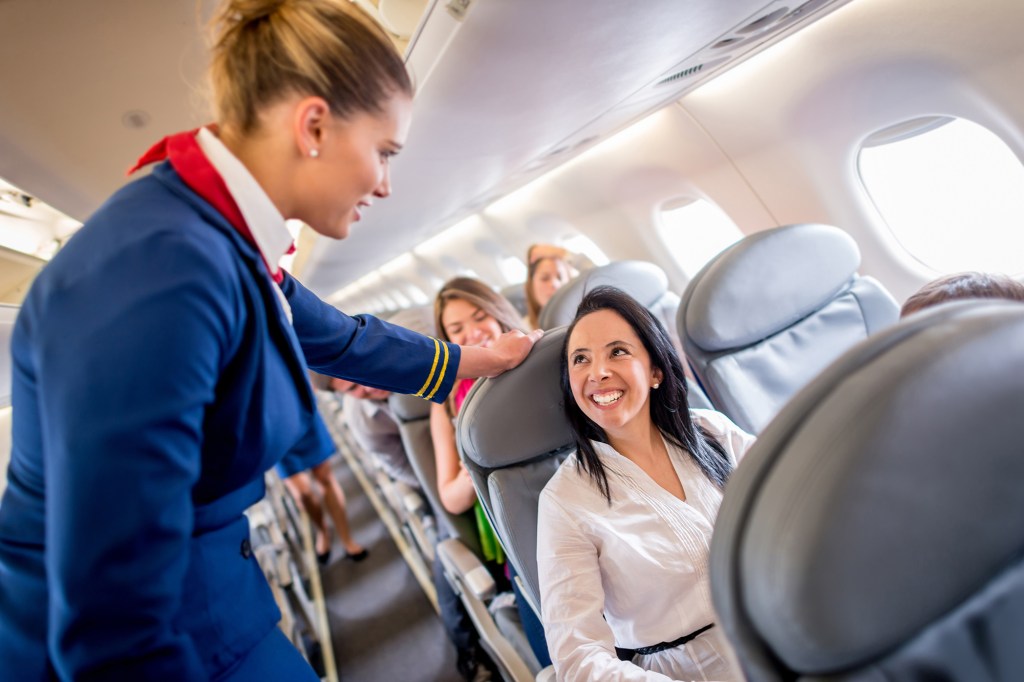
{"x":516,"y":295}
{"x":413,"y":416}
{"x":876,"y":529}
{"x":645,"y":282}
{"x":769,"y":313}
{"x":513,"y":435}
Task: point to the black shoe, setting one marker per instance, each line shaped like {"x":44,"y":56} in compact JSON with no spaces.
{"x":358,"y":556}
{"x":322,"y":559}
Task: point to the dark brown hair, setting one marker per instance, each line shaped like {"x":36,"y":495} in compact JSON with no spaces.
{"x":670,"y":411}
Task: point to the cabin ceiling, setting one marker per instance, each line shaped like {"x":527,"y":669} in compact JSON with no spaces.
{"x":505,"y":93}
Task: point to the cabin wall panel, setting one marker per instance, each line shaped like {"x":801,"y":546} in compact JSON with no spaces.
{"x":793,"y":118}
{"x":613,"y":192}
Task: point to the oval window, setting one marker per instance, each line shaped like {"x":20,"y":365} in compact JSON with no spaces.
{"x":951,"y":191}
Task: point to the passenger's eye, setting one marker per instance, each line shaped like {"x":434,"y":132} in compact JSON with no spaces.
{"x":480,"y":316}
{"x":619,"y":351}
{"x":578,"y":358}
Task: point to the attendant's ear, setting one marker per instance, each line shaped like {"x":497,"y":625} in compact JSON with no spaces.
{"x":311,"y":117}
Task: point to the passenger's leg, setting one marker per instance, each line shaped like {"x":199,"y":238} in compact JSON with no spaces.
{"x":301,"y":489}
{"x":531,"y":623}
{"x":334,"y":500}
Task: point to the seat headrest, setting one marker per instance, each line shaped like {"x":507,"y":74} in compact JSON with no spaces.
{"x":645,"y":282}
{"x":766,"y":282}
{"x":517,"y":416}
{"x":409,"y":408}
{"x":882,"y":496}
{"x":516,"y":295}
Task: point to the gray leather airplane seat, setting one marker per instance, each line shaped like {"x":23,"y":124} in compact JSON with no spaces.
{"x":644,"y":281}
{"x":766,"y":315}
{"x":500,"y":630}
{"x":876,"y":529}
{"x":516,"y":295}
{"x":413,"y":416}
{"x":512,"y":435}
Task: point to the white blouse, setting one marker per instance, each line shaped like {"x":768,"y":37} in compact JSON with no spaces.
{"x":633,"y":574}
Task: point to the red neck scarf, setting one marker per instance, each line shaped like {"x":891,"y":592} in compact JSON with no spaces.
{"x":189,"y":161}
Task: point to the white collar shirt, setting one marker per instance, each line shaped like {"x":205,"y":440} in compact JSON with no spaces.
{"x":633,"y":574}
{"x":265,"y":222}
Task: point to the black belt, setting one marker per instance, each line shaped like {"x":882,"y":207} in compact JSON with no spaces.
{"x":628,"y":654}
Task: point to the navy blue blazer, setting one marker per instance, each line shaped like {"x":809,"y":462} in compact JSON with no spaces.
{"x":155,"y":380}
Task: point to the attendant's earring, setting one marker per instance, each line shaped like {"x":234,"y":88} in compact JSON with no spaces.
{"x":314,"y":153}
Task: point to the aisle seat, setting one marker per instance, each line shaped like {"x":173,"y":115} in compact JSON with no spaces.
{"x":500,"y":632}
{"x":513,"y":435}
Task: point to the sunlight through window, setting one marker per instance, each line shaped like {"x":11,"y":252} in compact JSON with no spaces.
{"x":695,"y":231}
{"x":951,"y":191}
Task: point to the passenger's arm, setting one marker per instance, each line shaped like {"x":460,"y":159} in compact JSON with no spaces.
{"x":579,"y":639}
{"x":507,"y":352}
{"x":125,"y":375}
{"x":454,"y":486}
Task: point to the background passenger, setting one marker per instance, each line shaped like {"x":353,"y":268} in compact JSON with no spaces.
{"x":299,"y":470}
{"x":159,"y":363}
{"x":544,"y":277}
{"x":627,"y":520}
{"x":963,"y":285}
{"x":368,"y":416}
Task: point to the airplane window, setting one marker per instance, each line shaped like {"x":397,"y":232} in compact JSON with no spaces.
{"x":579,"y":243}
{"x":512,"y":269}
{"x":695,"y":231}
{"x":951,"y":191}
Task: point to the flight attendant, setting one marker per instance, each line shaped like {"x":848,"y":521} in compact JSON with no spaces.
{"x":160,"y":363}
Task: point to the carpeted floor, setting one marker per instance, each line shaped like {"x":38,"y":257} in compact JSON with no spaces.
{"x":383,"y":626}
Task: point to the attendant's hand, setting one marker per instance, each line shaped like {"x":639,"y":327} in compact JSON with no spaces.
{"x":510,"y":349}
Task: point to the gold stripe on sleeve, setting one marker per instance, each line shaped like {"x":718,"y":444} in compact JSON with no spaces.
{"x":440,"y":378}
{"x":437,"y":354}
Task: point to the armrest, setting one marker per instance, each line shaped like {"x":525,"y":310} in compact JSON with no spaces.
{"x":464,"y":566}
{"x":411,"y":498}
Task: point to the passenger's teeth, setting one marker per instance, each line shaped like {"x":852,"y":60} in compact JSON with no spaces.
{"x":607,"y":398}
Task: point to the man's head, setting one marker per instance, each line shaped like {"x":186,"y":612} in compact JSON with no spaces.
{"x":357,"y":390}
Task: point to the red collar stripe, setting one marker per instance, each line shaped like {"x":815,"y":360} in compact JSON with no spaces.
{"x":196,"y":171}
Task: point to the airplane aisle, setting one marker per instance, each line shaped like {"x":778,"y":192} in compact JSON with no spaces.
{"x":382,"y":624}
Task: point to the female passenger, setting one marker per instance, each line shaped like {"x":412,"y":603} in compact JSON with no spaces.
{"x":470,"y":313}
{"x":625,"y":525}
{"x":545,"y":276}
{"x":160,"y":363}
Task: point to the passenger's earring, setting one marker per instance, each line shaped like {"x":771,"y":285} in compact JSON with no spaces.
{"x":314,"y":153}
{"x":655,"y":385}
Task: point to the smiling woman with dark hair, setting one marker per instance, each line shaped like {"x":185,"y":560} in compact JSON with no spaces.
{"x":628,"y":519}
